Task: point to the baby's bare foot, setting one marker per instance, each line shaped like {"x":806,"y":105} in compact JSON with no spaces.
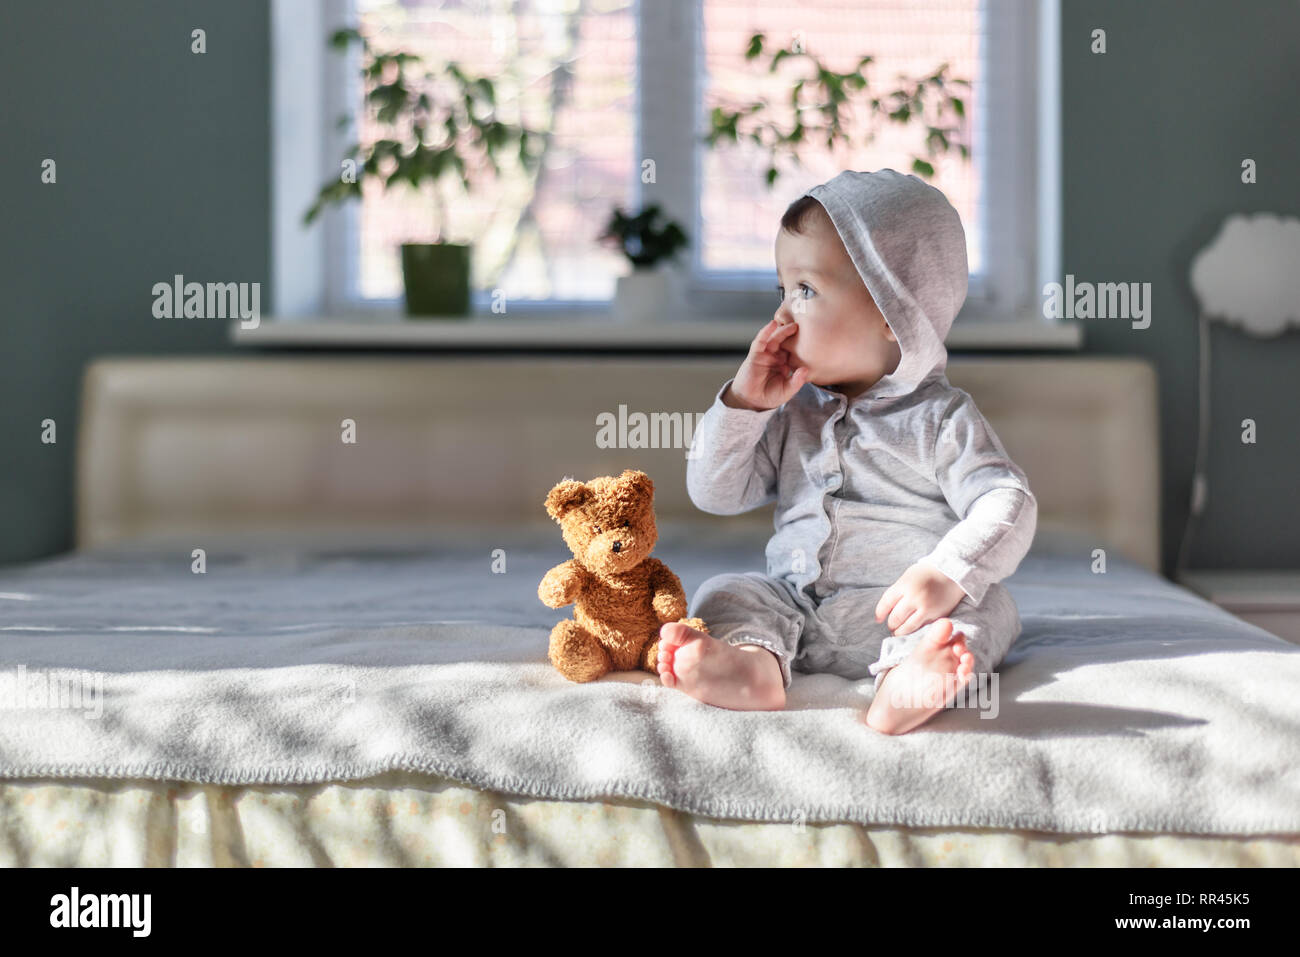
{"x":739,"y":677}
{"x":924,"y":683}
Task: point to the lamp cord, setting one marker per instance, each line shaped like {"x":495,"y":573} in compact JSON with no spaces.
{"x":1200,"y":490}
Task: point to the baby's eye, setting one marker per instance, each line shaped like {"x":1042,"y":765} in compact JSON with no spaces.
{"x":780,"y":291}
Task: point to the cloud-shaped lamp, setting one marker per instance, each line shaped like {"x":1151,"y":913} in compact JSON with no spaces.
{"x":1249,"y":274}
{"x":1249,"y":277}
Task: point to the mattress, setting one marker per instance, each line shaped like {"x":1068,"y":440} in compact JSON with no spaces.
{"x":404,"y":819}
{"x":418,"y":817}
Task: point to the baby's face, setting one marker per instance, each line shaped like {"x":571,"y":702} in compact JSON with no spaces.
{"x":842,"y":338}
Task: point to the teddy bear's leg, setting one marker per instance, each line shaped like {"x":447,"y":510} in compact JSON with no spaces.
{"x":650,"y":656}
{"x":576,"y":653}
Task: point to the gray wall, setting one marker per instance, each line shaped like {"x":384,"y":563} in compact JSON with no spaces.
{"x":1154,"y":134}
{"x":163,"y":160}
{"x":162,"y":168}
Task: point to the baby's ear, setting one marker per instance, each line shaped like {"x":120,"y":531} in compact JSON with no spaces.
{"x":565,"y":497}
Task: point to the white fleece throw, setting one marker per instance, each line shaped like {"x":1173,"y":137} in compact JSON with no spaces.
{"x":1129,"y":704}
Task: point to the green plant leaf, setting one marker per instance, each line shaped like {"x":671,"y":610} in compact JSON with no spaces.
{"x":340,"y":39}
{"x":399,"y":172}
{"x":922,"y":167}
{"x":958,"y":106}
{"x":755,"y":46}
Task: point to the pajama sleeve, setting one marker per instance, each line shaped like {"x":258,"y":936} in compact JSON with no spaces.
{"x":729,"y":468}
{"x":990,"y":495}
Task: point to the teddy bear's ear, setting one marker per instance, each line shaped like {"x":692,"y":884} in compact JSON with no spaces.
{"x":568,"y":495}
{"x":638,"y":482}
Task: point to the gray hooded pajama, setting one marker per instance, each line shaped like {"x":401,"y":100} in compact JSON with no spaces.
{"x":908,"y":471}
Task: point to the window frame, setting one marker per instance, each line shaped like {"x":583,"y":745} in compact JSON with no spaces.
{"x":314,"y":269}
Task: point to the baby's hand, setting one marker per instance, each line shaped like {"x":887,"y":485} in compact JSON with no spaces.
{"x":921,"y":595}
{"x":764,"y":380}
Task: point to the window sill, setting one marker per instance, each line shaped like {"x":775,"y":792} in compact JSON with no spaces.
{"x":547,"y":331}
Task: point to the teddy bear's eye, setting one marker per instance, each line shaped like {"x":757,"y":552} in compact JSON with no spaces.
{"x":597,"y":528}
{"x":626,"y":523}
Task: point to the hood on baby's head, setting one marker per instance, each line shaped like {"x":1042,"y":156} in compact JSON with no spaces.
{"x":909,"y":247}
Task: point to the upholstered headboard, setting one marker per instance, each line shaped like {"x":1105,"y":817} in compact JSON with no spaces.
{"x":174,"y":447}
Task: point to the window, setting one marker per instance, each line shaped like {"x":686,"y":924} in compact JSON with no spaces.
{"x":565,"y":72}
{"x":738,"y":214}
{"x":615,"y":82}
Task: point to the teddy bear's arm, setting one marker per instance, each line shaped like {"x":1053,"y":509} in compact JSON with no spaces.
{"x":561,"y":584}
{"x":669,"y":598}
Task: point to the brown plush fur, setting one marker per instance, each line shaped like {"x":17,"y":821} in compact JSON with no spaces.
{"x":621,"y":596}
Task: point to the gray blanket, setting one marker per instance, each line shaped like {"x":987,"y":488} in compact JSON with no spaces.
{"x":1129,"y":704}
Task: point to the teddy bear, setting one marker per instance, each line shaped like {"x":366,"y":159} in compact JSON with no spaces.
{"x":620,"y":595}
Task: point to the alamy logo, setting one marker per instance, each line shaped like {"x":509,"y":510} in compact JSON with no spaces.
{"x":56,"y":690}
{"x":214,"y":300}
{"x":639,"y":430}
{"x":1107,"y":300}
{"x":979,"y":692}
{"x":102,"y":910}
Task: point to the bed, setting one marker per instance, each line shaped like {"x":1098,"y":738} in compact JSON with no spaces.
{"x":303,"y":604}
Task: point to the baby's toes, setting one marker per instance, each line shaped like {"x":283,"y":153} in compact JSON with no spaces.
{"x":964,"y":658}
{"x":967,"y":666}
{"x":940,"y":634}
{"x":672,"y":635}
{"x":664,"y":660}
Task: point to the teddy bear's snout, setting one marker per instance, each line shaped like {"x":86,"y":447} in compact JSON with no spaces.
{"x":618,"y":546}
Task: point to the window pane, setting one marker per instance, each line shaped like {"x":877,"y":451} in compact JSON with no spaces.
{"x":557,"y":71}
{"x":739,"y":215}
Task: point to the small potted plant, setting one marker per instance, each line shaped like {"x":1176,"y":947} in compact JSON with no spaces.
{"x":647,"y":292}
{"x":436,"y":275}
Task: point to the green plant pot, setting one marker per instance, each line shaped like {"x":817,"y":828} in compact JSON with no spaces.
{"x":436,"y":277}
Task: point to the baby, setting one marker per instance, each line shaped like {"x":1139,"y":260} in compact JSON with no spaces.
{"x":897,"y":508}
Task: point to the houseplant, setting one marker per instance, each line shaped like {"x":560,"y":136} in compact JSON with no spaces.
{"x":818,"y":98}
{"x":647,"y":292}
{"x":436,"y":275}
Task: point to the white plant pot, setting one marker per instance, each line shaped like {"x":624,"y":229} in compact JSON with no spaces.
{"x":646,"y":295}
